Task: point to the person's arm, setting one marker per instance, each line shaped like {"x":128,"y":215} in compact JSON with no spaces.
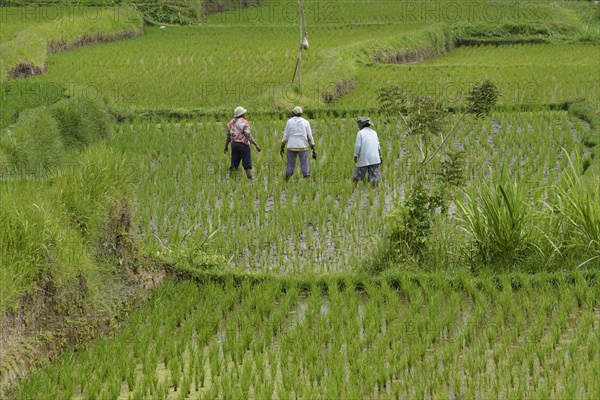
{"x":311,"y":139}
{"x":282,"y":149}
{"x":286,"y":137}
{"x":250,"y":138}
{"x":309,"y":135}
{"x":379,"y":151}
{"x":357,"y":147}
{"x":227,"y":141}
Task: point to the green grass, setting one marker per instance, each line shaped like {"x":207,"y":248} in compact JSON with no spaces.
{"x":22,"y":94}
{"x":199,"y":71}
{"x":401,"y":11}
{"x":184,"y":68}
{"x":527,"y":75}
{"x":192,"y":67}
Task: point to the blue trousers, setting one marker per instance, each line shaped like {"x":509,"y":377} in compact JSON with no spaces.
{"x":291,"y":163}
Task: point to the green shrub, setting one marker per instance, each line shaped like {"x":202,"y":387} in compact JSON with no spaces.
{"x":412,"y":219}
{"x":168,"y":13}
{"x":82,"y":120}
{"x":188,"y":252}
{"x":42,"y":248}
{"x":511,"y":31}
{"x":24,"y":240}
{"x":39,"y":248}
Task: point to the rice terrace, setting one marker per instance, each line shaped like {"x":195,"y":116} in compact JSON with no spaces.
{"x":299,"y":199}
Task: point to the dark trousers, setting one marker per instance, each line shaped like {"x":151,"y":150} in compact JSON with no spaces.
{"x":241,"y":152}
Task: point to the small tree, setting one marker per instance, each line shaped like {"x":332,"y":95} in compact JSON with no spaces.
{"x":426,"y":120}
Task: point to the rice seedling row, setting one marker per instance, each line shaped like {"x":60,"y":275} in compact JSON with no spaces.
{"x":184,"y":67}
{"x":321,"y":224}
{"x":423,"y":337}
{"x":352,"y":12}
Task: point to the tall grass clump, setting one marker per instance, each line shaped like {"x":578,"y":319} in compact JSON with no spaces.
{"x":34,"y":144}
{"x":499,"y":219}
{"x":99,"y":179}
{"x":25,"y":243}
{"x":41,"y":137}
{"x":53,"y":231}
{"x":23,"y":94}
{"x":82,"y":120}
{"x":574,"y":207}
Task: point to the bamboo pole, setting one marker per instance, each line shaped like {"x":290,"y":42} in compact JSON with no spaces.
{"x":300,"y":17}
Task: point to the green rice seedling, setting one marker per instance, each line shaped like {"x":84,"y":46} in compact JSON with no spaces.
{"x":93,"y":389}
{"x":185,"y":387}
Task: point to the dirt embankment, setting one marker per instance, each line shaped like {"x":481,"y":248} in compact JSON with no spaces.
{"x":49,"y":320}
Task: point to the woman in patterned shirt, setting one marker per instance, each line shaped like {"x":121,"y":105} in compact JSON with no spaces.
{"x":238,"y":134}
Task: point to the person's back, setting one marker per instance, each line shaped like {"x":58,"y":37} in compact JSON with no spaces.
{"x":368,"y":147}
{"x":367,"y":152}
{"x":238,"y":134}
{"x":298,"y":137}
{"x":298,"y":133}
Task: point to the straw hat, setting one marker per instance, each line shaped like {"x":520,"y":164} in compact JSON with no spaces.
{"x":297,"y":110}
{"x":239,"y":111}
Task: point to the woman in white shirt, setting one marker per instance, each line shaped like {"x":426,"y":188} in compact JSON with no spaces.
{"x":367,"y":153}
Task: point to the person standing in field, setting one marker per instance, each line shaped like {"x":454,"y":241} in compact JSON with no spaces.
{"x":298,"y":137}
{"x":238,"y":134}
{"x":367,"y":153}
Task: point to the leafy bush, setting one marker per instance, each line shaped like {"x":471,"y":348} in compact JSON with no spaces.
{"x":167,"y":13}
{"x":425,"y":118}
{"x":188,"y":253}
{"x":82,"y":120}
{"x":41,"y":241}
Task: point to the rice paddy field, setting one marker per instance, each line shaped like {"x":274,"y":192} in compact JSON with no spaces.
{"x":425,"y":337}
{"x":324,"y":224}
{"x":292,"y":315}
